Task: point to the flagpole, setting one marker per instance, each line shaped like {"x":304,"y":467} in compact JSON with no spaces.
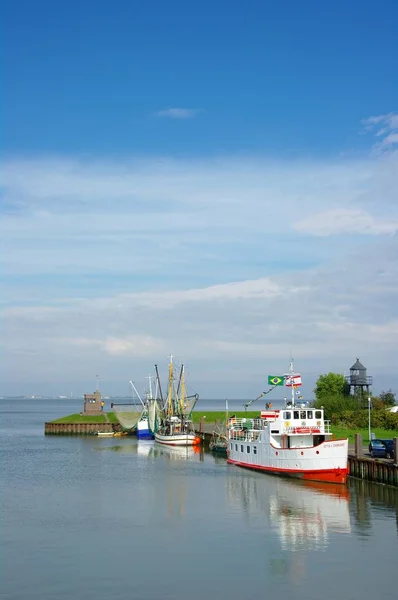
{"x":292,"y":381}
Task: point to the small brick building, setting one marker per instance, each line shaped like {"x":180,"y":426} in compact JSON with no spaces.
{"x":93,"y":404}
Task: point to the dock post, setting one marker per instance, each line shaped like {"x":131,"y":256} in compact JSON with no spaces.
{"x":358,"y":445}
{"x":201,"y":426}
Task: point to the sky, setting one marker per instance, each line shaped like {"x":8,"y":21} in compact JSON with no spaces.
{"x":213,"y":180}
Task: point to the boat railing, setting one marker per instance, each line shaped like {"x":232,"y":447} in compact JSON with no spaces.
{"x":244,"y":435}
{"x":246,"y":423}
{"x":308,"y":429}
{"x":235,"y":423}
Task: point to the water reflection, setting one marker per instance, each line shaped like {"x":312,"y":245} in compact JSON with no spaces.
{"x":150,"y":449}
{"x":302,"y":515}
{"x":370,"y":499}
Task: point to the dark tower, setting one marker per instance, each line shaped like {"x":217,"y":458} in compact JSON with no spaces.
{"x":358,"y":379}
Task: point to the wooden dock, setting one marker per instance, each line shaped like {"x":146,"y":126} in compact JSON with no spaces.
{"x":373,"y":469}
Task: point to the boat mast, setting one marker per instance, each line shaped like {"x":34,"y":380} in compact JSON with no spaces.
{"x":291,"y":370}
{"x":181,"y":386}
{"x":169,"y":399}
{"x":158,"y":384}
{"x":179,"y":379}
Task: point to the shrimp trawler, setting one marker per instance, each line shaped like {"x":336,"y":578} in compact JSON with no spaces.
{"x":171,"y":418}
{"x":143,"y":429}
{"x":295,"y":441}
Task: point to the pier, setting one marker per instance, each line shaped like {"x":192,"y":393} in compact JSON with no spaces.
{"x":81,"y":428}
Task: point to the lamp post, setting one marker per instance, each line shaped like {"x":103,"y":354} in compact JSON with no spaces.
{"x":369,"y":407}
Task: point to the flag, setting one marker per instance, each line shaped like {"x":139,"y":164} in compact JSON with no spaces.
{"x":276,"y":380}
{"x":293,"y":381}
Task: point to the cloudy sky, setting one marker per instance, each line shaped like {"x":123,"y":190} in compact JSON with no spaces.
{"x":223,"y":187}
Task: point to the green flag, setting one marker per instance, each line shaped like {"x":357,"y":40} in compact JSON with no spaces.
{"x":276,"y":380}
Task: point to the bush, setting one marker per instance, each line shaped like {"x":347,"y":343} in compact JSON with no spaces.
{"x":351,"y":419}
{"x":347,"y":412}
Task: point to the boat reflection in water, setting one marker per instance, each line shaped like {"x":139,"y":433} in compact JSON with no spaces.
{"x":175,"y":452}
{"x":302,"y":514}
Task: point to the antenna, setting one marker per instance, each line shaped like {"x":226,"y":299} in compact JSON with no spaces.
{"x":149,"y":377}
{"x":97,"y":383}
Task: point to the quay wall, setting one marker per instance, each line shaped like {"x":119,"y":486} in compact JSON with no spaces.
{"x":80,"y":428}
{"x":371,"y":469}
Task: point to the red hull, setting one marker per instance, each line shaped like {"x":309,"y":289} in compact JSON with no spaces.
{"x":327,"y":476}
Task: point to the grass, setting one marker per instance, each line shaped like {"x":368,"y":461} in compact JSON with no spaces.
{"x":342,"y":432}
{"x":212,"y":416}
{"x":112,"y":417}
{"x":77,"y":418}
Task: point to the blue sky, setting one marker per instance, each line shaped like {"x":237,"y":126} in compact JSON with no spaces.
{"x":217,"y":180}
{"x":278,"y":77}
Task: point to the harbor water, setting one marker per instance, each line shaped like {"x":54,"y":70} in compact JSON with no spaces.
{"x":121,"y":519}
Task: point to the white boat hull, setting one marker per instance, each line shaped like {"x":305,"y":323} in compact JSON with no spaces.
{"x":178,"y":439}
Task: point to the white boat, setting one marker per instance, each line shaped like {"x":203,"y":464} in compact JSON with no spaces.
{"x":105,"y":433}
{"x":177,"y":439}
{"x":295,"y":441}
{"x":144,"y":431}
{"x":174,"y":426}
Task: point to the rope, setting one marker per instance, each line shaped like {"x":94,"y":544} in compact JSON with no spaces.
{"x":258,"y":397}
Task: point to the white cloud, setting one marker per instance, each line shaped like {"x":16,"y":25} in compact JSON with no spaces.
{"x":345,"y":221}
{"x":131,"y":345}
{"x":178,"y":113}
{"x":385,"y":127}
{"x":229,"y":263}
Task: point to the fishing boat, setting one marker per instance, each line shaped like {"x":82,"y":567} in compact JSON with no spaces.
{"x":173,"y":423}
{"x":295,"y":441}
{"x":143,"y":430}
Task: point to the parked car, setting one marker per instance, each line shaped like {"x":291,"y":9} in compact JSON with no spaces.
{"x":377,"y":449}
{"x":389,"y":445}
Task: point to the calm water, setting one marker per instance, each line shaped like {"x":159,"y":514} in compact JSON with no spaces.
{"x":116,"y":519}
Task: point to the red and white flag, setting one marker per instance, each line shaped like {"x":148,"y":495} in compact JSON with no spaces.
{"x":294,"y":380}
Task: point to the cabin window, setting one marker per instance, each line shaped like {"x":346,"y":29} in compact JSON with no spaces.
{"x":236,"y":447}
{"x":309,"y":414}
{"x":302,"y":414}
{"x":231,"y":446}
{"x":254,"y":449}
{"x":296,"y":414}
{"x":248,"y":449}
{"x":241,"y":448}
{"x":287,"y":415}
{"x":318,"y":414}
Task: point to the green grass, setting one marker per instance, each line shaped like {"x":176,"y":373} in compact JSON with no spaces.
{"x":112,"y":417}
{"x":384,"y":434}
{"x":212,"y":416}
{"x":85,"y":419}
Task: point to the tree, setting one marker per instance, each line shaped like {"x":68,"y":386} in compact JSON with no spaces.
{"x":387,"y":398}
{"x":331,"y":385}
